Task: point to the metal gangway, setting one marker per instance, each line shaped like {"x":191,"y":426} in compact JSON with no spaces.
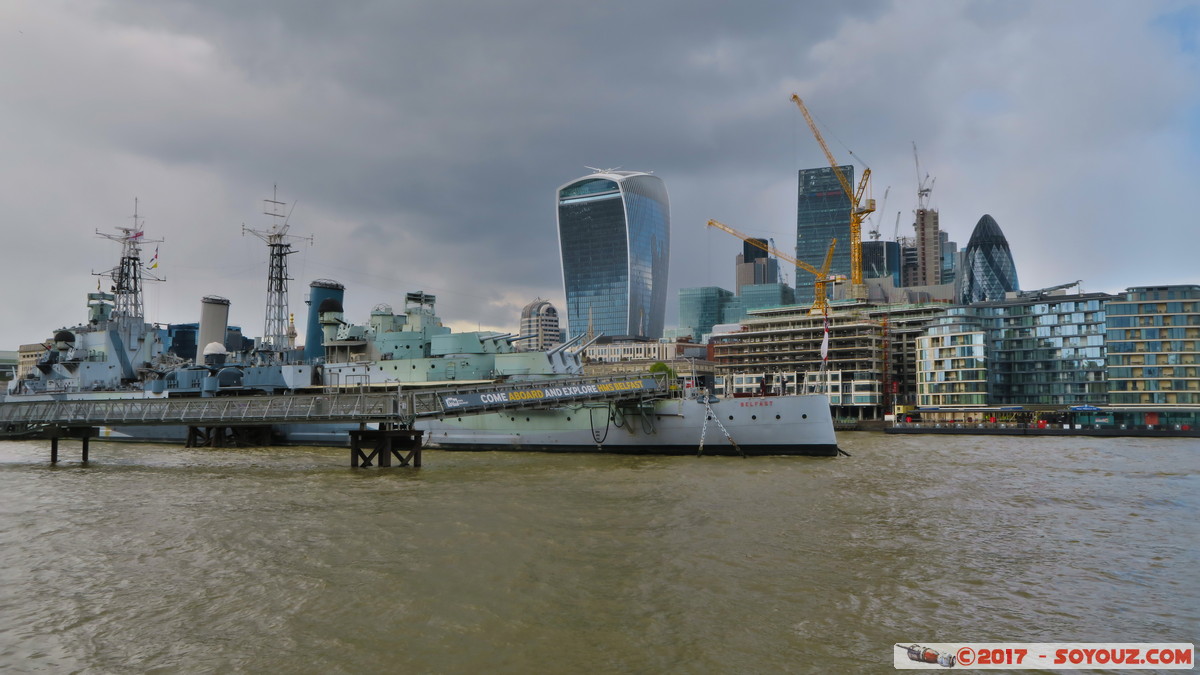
{"x":394,"y":406}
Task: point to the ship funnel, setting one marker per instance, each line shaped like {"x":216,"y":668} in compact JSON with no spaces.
{"x":314,"y":334}
{"x":214,"y":320}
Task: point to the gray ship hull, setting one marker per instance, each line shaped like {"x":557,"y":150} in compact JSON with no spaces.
{"x":779,"y":425}
{"x":783,"y":425}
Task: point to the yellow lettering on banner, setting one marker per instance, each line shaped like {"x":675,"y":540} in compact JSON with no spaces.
{"x":619,"y":386}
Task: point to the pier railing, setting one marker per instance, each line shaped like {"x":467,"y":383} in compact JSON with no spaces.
{"x":226,"y":411}
{"x":393,"y":406}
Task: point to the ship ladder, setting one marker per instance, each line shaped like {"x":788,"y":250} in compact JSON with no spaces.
{"x":710,"y":415}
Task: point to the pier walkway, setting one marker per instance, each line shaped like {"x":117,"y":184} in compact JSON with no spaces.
{"x":248,"y":420}
{"x":398,"y":406}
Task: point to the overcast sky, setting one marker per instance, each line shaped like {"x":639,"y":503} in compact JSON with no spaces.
{"x":421,"y":143}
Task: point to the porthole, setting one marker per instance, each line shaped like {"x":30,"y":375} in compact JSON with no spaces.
{"x":777,"y":417}
{"x":754,"y":417}
{"x":568,"y":419}
{"x":731,"y":418}
{"x":804,"y":416}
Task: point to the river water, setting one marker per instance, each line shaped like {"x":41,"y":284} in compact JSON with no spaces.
{"x":156,"y":558}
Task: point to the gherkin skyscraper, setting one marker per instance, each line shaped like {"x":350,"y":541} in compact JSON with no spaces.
{"x":988,"y":270}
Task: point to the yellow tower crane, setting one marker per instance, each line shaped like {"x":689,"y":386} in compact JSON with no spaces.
{"x":859,"y":208}
{"x":820,"y":303}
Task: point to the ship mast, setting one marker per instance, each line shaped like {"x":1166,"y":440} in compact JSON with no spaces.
{"x":129,"y":275}
{"x":275,"y":327}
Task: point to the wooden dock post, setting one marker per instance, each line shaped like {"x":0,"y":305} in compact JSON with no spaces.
{"x":56,"y":432}
{"x":384,"y":444}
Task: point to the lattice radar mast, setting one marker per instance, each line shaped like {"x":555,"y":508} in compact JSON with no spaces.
{"x":275,"y":326}
{"x":129,"y":275}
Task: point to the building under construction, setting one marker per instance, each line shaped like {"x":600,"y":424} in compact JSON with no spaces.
{"x":872,"y":354}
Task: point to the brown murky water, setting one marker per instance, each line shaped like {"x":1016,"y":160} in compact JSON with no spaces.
{"x":164,"y":559}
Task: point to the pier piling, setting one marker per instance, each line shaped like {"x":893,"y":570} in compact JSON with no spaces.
{"x":384,"y":444}
{"x":83,"y":433}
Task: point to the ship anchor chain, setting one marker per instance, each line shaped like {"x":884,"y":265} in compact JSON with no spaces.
{"x":710,"y":415}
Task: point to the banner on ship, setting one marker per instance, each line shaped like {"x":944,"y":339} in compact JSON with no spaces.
{"x":546,"y":393}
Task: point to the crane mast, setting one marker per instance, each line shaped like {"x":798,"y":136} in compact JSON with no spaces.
{"x":859,"y":208}
{"x":820,"y":303}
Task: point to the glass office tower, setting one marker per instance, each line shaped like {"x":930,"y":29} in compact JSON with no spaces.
{"x":614,"y":232}
{"x":822,"y":214}
{"x":881,"y":259}
{"x":702,"y":308}
{"x":988,"y":270}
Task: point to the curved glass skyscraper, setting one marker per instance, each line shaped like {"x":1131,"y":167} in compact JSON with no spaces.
{"x":614,"y":235}
{"x":988,"y":270}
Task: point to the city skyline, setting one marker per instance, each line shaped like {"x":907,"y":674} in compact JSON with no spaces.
{"x":435,"y":176}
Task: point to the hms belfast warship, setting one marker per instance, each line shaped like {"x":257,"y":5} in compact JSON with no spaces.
{"x":117,"y":354}
{"x":414,"y":350}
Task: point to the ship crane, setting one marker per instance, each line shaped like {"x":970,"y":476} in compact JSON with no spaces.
{"x":859,"y":208}
{"x":820,"y":303}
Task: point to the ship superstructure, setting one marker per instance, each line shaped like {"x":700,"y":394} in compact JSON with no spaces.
{"x":115,"y":349}
{"x":415,"y":348}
